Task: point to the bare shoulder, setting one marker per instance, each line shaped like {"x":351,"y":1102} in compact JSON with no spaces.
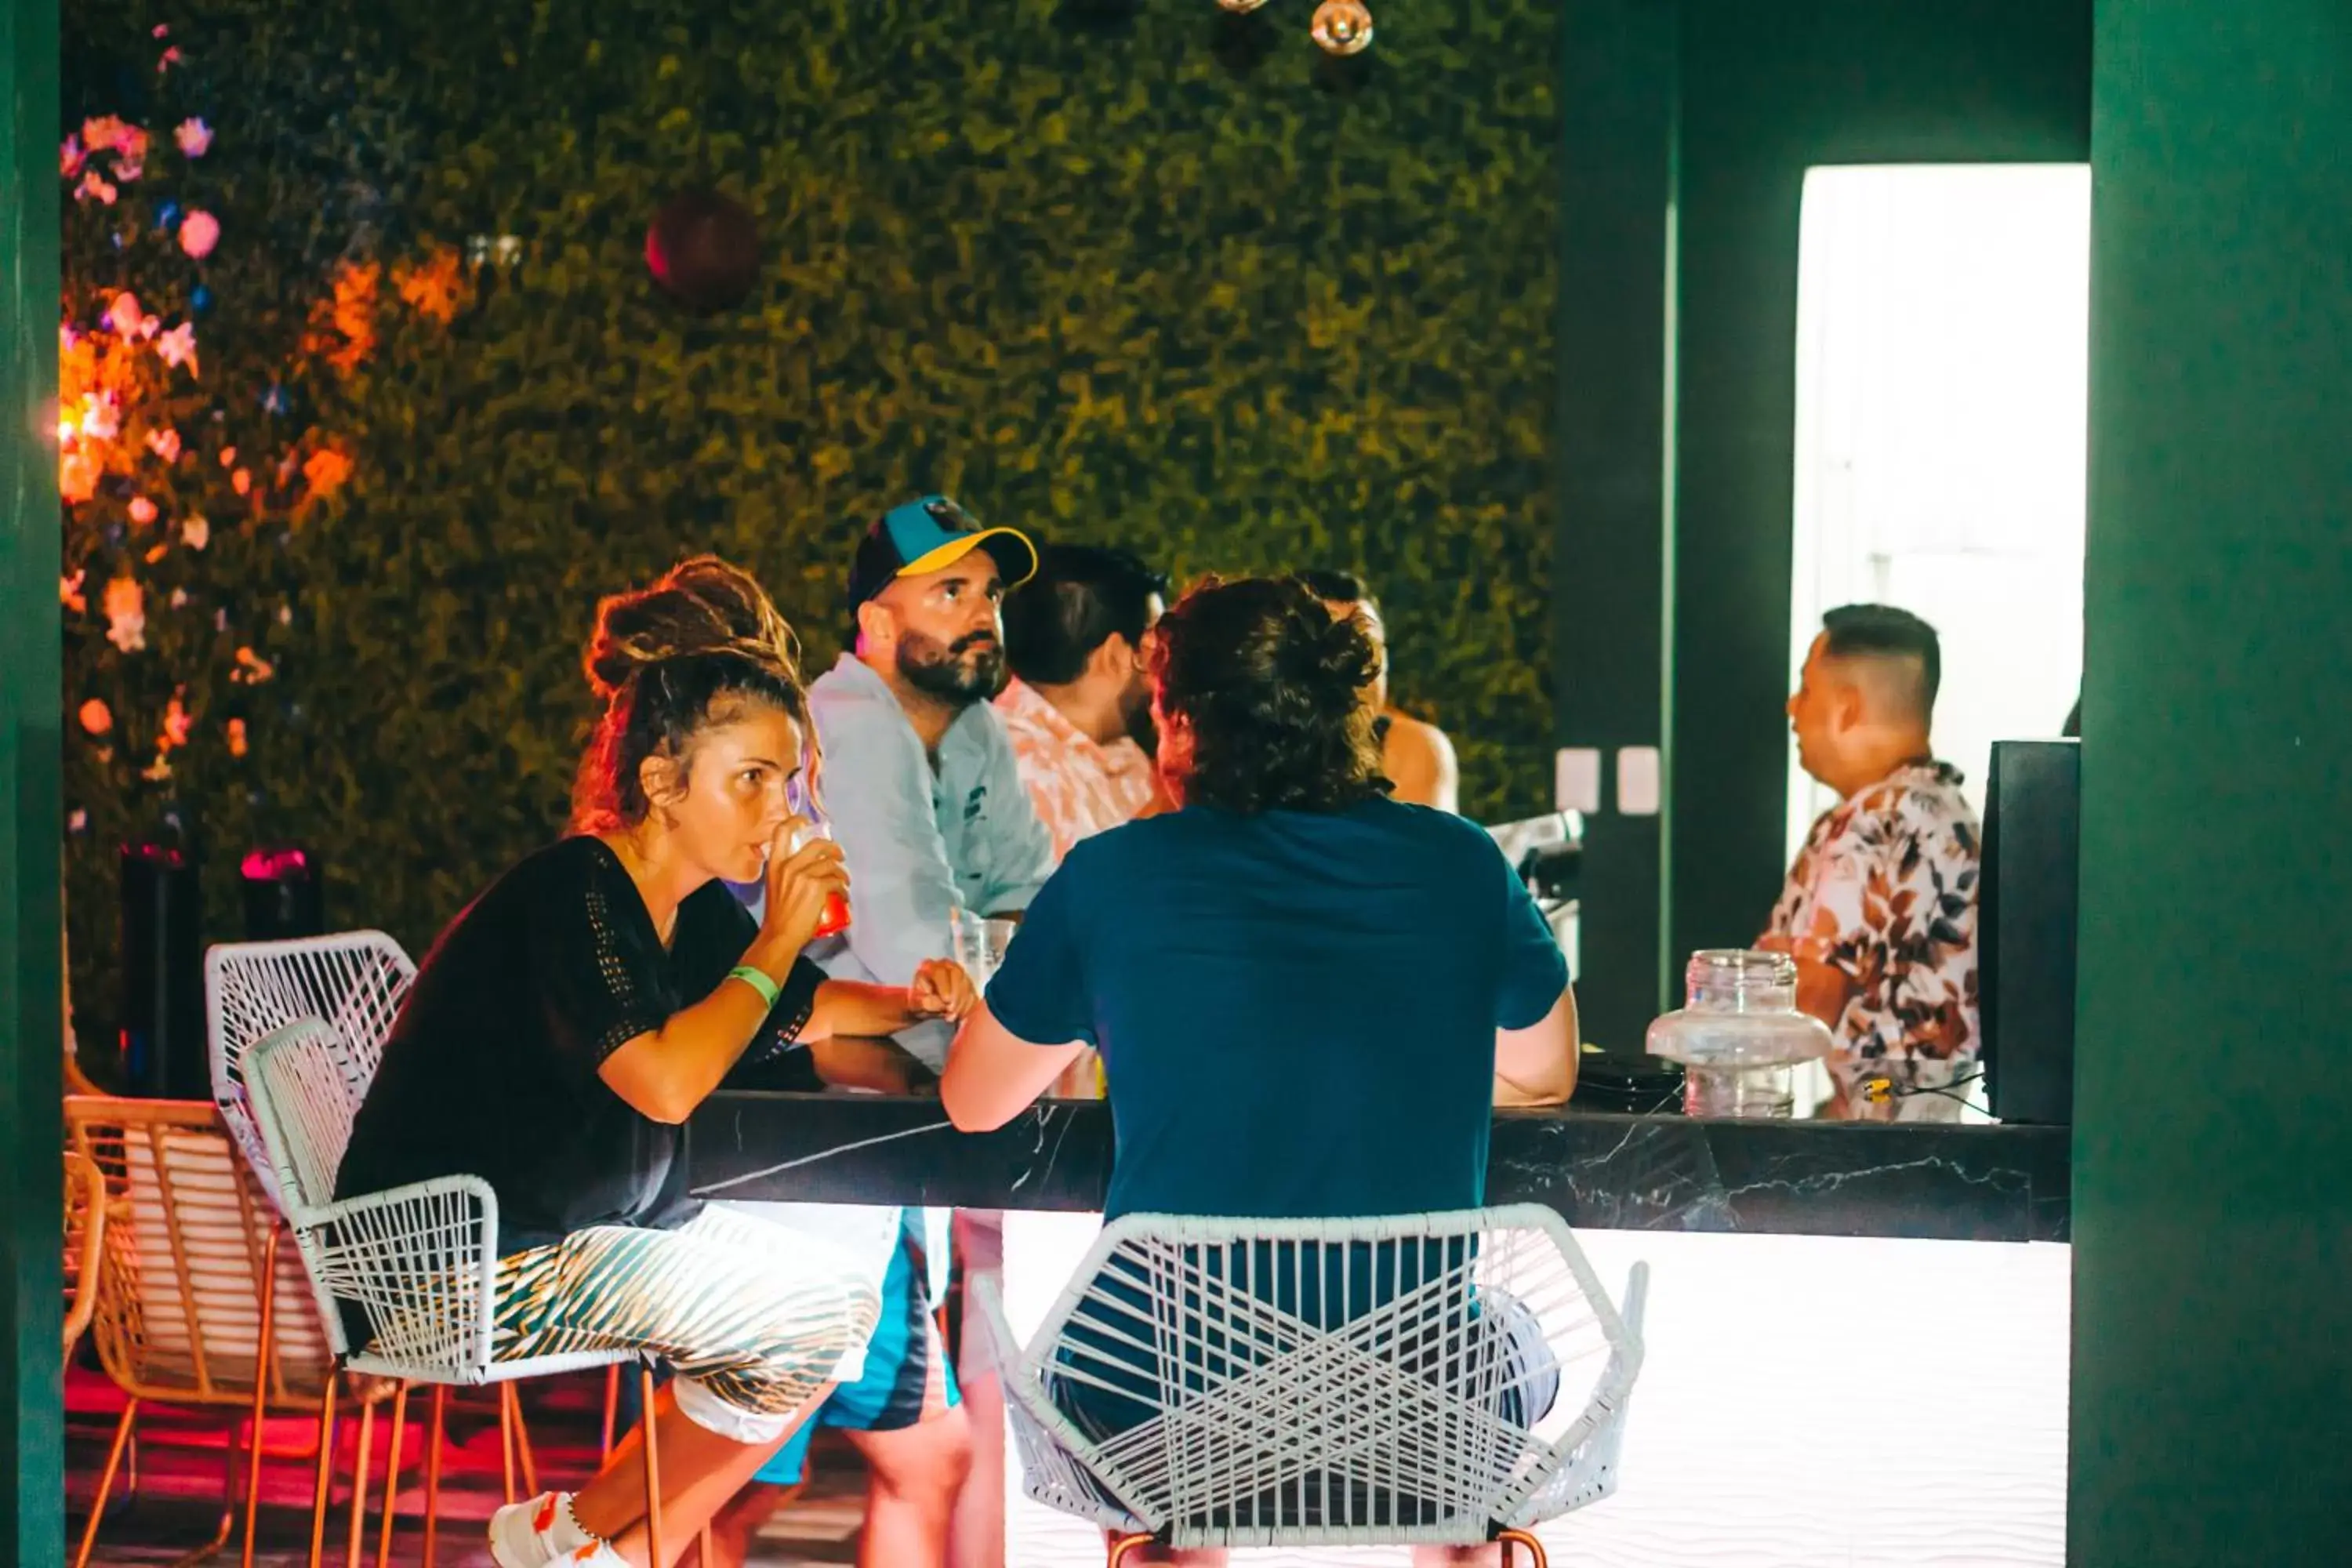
{"x":1420,"y":762}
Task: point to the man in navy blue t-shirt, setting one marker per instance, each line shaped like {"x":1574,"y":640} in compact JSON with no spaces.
{"x":1308,"y":996}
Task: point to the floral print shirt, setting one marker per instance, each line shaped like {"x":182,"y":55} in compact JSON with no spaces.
{"x":1080,"y":786}
{"x":1886,"y":892}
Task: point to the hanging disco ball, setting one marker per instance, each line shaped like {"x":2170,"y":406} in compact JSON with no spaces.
{"x":1343,"y":26}
{"x":704,"y":249}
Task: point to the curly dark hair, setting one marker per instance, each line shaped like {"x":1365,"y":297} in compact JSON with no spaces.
{"x":668,"y":660}
{"x":1272,"y":689}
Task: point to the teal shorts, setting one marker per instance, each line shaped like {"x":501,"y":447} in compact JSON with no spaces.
{"x":907,"y":1379}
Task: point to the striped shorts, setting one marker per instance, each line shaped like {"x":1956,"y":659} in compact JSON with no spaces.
{"x":755,"y":1320}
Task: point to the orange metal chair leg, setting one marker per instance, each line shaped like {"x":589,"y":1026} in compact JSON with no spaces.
{"x":261,"y":1387}
{"x":326,"y":1470}
{"x":522,"y":1445}
{"x":360,"y":1485}
{"x":433,"y":1471}
{"x":1511,"y":1537}
{"x":1121,"y":1545}
{"x":506,"y":1437}
{"x":392,"y":1478}
{"x":653,"y":1532}
{"x":612,"y":1407}
{"x":106,"y":1482}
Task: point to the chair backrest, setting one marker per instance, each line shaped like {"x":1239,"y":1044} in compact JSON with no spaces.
{"x":85,"y":1238}
{"x":356,"y":981}
{"x":1250,"y":1381}
{"x":191,"y":1240}
{"x":418,"y":1263}
{"x":297,"y":1085}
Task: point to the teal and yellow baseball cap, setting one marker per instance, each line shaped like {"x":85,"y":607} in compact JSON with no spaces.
{"x":929,"y":535}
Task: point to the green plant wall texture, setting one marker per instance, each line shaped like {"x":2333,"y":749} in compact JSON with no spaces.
{"x":1147,"y":275}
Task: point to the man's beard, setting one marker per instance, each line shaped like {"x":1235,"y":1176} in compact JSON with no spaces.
{"x":970,"y":669}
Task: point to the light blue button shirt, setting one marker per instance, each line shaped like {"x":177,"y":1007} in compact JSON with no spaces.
{"x":920,"y":841}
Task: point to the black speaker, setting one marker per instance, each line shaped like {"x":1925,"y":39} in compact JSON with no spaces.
{"x":2025,"y":928}
{"x":283,"y":894}
{"x":162,"y":1038}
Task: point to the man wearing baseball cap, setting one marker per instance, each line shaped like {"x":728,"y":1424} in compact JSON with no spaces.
{"x":919,"y":776}
{"x":922,"y":793}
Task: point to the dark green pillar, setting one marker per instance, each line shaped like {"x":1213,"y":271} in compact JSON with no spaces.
{"x":1609,"y":557}
{"x":32,"y":1522}
{"x":2212,"y":1362}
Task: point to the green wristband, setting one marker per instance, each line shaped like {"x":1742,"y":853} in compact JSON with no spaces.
{"x":768,"y":989}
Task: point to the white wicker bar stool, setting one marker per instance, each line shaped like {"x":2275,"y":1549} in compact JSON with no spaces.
{"x":420,"y":1262}
{"x":1443,"y":1378}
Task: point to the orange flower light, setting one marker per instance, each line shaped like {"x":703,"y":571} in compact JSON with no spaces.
{"x":343,"y":329}
{"x":77,"y":478}
{"x":96,"y":717}
{"x":433,"y":288}
{"x":326,"y":470}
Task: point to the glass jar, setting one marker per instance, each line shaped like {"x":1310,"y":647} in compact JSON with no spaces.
{"x":1739,"y":1036}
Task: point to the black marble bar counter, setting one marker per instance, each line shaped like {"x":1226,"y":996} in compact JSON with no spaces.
{"x":1599,"y":1170}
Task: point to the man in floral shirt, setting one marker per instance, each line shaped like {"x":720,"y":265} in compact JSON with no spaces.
{"x":1880,"y":909}
{"x":1073,"y":636}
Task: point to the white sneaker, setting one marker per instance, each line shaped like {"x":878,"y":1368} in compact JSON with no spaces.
{"x":534,"y":1534}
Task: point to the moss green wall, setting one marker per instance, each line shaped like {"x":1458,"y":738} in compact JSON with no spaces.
{"x":1088,"y":273}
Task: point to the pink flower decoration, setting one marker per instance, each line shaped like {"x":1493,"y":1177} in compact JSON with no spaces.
{"x":130,"y":148}
{"x":196,"y":532}
{"x":172,"y":57}
{"x":93,"y":187}
{"x":124,"y":314}
{"x":164,"y":443}
{"x":99,"y":420}
{"x":194,"y":137}
{"x":104,"y":131}
{"x":143,"y":510}
{"x":70,"y":157}
{"x":178,"y":347}
{"x":199,"y":232}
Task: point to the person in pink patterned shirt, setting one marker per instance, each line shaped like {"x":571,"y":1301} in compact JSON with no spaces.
{"x":1079,"y":708}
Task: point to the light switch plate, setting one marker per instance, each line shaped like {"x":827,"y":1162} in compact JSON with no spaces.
{"x":1576,"y":780}
{"x":1637,"y":781}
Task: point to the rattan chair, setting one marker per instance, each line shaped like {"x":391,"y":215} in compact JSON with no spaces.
{"x":85,"y":1239}
{"x":197,"y":1302}
{"x":354,"y":980}
{"x":1430,"y":1380}
{"x":418,"y":1262}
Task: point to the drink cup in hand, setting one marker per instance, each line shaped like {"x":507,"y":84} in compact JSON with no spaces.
{"x":835,"y":919}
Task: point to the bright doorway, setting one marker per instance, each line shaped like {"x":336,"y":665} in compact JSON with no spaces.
{"x":1942,"y":389}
